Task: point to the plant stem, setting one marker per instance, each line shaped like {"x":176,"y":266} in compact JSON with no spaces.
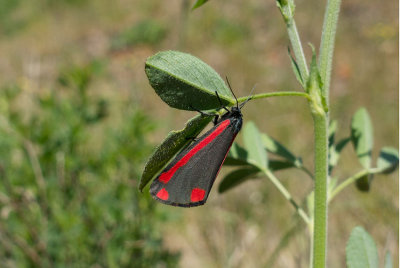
{"x":327,"y":44}
{"x":297,"y":48}
{"x":320,"y":191}
{"x":275,"y":94}
{"x":286,"y":194}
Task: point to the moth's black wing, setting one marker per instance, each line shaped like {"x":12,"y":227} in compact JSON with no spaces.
{"x":188,"y":179}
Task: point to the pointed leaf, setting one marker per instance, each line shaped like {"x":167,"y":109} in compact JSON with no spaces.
{"x":275,"y":165}
{"x":175,"y":142}
{"x":361,"y":250}
{"x":254,"y":145}
{"x":296,"y":69}
{"x":388,"y":160}
{"x":185,"y":82}
{"x":277,"y":148}
{"x":388,"y":260}
{"x":314,"y":82}
{"x":199,"y":3}
{"x":236,"y":177}
{"x":362,"y":136}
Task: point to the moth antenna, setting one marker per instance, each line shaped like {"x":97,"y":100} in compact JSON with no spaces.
{"x":249,"y":98}
{"x":237,"y":103}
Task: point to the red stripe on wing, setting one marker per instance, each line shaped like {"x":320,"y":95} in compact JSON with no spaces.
{"x":166,"y":176}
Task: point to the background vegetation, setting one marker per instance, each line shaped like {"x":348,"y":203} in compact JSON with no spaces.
{"x":78,"y":119}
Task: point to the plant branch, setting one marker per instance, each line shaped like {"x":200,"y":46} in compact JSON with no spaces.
{"x":287,"y":8}
{"x":286,"y":194}
{"x":297,"y":48}
{"x":351,"y":180}
{"x":274,"y":94}
{"x":327,"y":44}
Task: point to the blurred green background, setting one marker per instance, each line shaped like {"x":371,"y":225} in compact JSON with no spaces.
{"x":78,"y":120}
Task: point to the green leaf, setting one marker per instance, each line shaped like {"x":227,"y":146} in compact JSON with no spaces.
{"x":388,"y":260}
{"x":332,"y":131}
{"x":173,"y":143}
{"x":334,"y":153}
{"x":388,"y":160}
{"x":254,"y":145}
{"x":364,"y":183}
{"x":237,"y":156}
{"x":296,"y":69}
{"x":273,"y":146}
{"x":362,"y":137}
{"x":275,"y":165}
{"x":361,"y":250}
{"x":185,"y":82}
{"x":236,"y":177}
{"x":314,"y":83}
{"x":199,"y":3}
{"x":331,"y":185}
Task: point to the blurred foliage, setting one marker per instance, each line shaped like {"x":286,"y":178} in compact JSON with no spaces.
{"x":68,"y":189}
{"x":149,"y":32}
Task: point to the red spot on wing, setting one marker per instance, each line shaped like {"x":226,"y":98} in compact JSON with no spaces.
{"x":166,"y":176}
{"x":197,"y":195}
{"x":163,"y":194}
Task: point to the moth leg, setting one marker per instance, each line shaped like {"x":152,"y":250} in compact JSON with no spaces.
{"x":191,"y":138}
{"x":215,"y":120}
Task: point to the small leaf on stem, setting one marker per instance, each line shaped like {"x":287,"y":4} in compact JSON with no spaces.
{"x":296,"y":69}
{"x":388,"y":260}
{"x":254,"y":145}
{"x":362,"y":136}
{"x":237,"y":156}
{"x":388,"y":160}
{"x":236,"y":177}
{"x":364,"y":183}
{"x":273,"y":146}
{"x":361,"y":250}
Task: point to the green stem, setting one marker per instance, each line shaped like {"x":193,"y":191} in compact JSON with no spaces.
{"x":297,"y":48}
{"x":351,"y":180}
{"x":311,"y":237}
{"x":286,"y":194}
{"x":275,"y":94}
{"x":327,"y":44}
{"x":320,"y":192}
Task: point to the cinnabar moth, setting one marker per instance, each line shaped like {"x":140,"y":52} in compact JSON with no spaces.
{"x":187,"y":180}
